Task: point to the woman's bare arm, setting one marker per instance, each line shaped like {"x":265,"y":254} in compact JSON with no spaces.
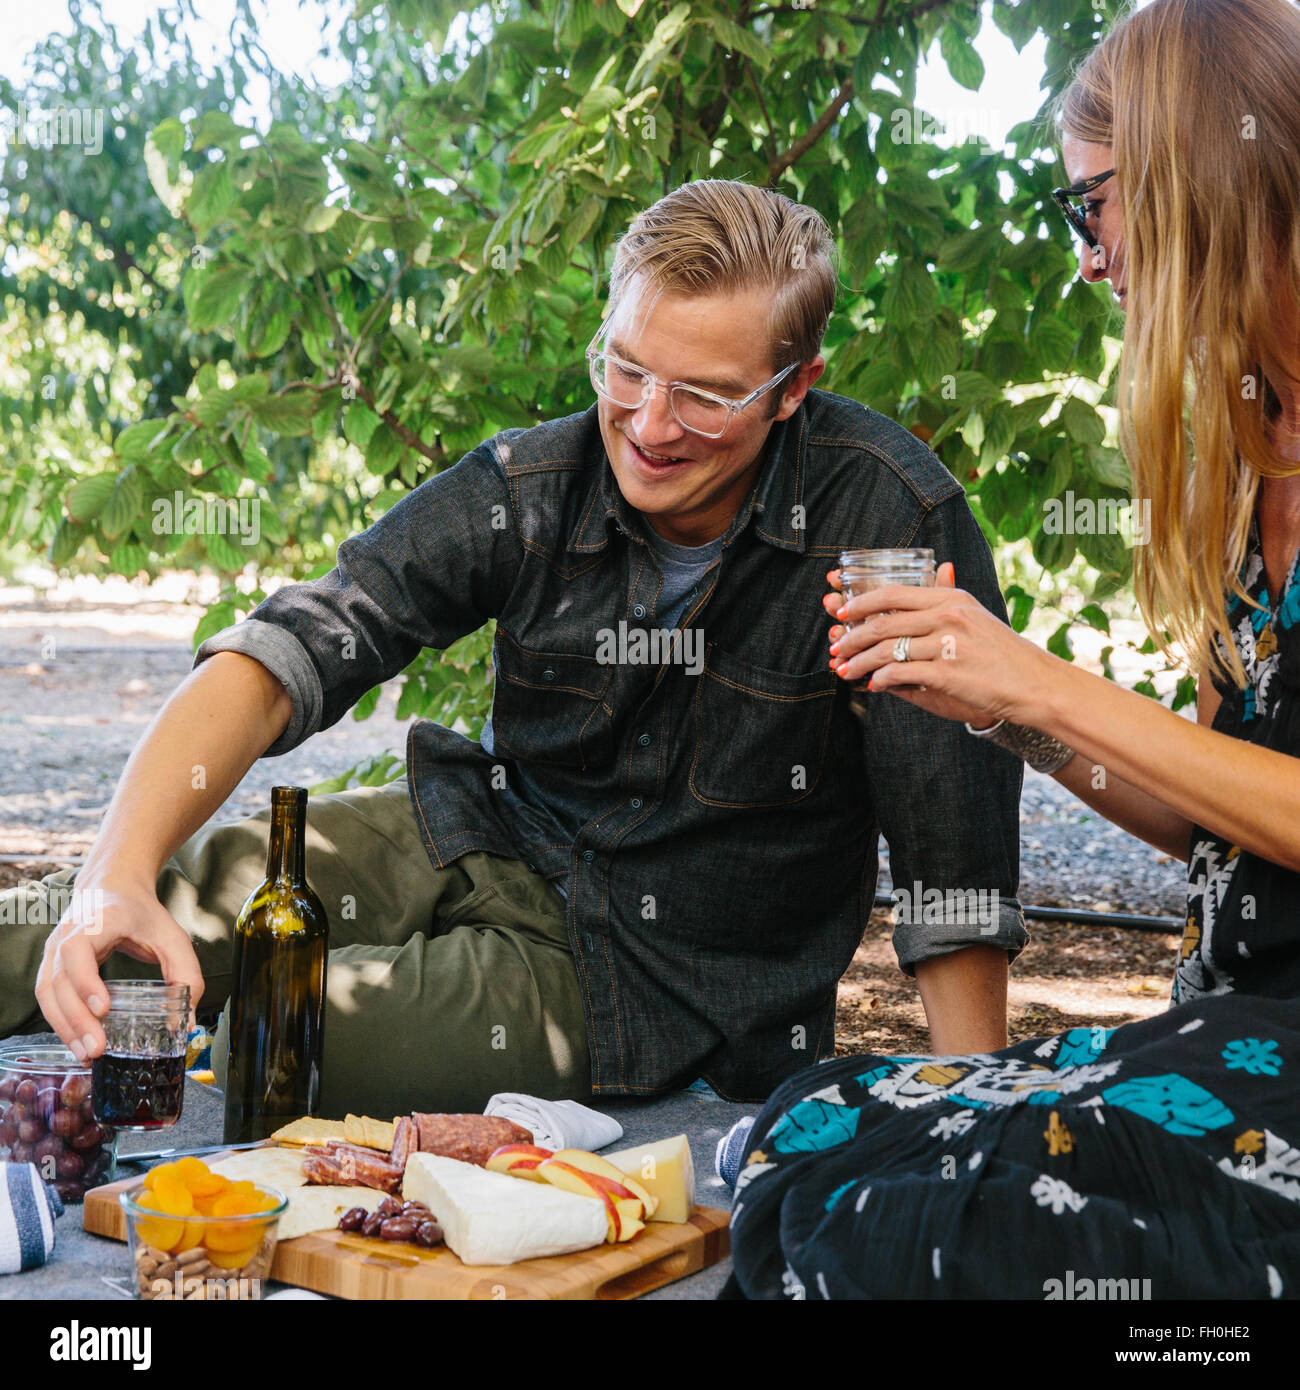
{"x":1129,"y":807}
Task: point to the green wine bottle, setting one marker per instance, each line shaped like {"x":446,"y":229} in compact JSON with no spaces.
{"x":277,"y":1005}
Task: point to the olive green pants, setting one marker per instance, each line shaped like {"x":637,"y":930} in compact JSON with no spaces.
{"x":443,"y":985}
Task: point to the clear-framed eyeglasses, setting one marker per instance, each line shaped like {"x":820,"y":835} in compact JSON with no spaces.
{"x":626,"y":385}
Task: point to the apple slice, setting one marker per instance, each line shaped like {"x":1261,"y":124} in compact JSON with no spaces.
{"x":626,"y":1210}
{"x":518,"y":1161}
{"x":593,"y":1163}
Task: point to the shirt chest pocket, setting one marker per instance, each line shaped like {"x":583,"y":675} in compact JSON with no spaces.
{"x":550,"y":706}
{"x":760,"y":736}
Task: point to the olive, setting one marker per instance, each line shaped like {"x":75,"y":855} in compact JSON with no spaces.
{"x":370,"y":1226}
{"x":47,"y":1102}
{"x":70,"y":1189}
{"x":428,"y":1234}
{"x":75,"y":1090}
{"x":390,"y":1206}
{"x":30,"y":1129}
{"x":398,"y":1228}
{"x":26,"y":1091}
{"x":7,"y":1087}
{"x":352,"y":1219}
{"x":8,"y":1127}
{"x":21,"y":1153}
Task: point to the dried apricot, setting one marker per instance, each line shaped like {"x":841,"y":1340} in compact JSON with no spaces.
{"x":172,"y":1198}
{"x":233,"y":1259}
{"x":191,"y":1170}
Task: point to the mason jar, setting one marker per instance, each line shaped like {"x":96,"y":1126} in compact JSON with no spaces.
{"x":861,"y":570}
{"x":139,"y":1079}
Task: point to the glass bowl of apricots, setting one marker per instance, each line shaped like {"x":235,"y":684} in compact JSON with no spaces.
{"x":196,"y":1235}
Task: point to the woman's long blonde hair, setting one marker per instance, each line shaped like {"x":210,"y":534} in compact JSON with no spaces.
{"x":1200,"y":102}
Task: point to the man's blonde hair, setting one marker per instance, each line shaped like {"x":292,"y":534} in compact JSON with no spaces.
{"x":721,"y":236}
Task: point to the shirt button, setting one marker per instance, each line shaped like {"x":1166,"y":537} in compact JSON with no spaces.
{"x":636,"y":803}
{"x":549,"y":674}
{"x":589,"y":855}
{"x":639,"y":611}
{"x":644,"y":740}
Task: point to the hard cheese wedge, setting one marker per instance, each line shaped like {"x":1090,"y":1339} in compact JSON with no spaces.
{"x":666,"y":1171}
{"x":491,"y":1219}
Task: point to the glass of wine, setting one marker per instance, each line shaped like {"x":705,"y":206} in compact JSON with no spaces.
{"x":138,"y":1083}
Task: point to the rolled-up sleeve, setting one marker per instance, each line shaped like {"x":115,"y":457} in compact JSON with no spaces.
{"x":432,"y":569}
{"x":947,"y":804}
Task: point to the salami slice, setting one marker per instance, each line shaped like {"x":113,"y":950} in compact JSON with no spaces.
{"x":469,"y":1138}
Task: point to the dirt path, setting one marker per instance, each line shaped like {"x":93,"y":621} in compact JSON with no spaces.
{"x":84,"y":668}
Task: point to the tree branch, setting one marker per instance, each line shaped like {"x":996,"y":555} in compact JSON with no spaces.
{"x":810,"y":137}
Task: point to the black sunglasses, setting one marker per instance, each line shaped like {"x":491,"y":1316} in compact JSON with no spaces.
{"x":1072,"y":214}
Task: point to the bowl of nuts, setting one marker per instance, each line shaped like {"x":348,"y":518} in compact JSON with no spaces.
{"x":47,"y":1118}
{"x":195,"y":1235}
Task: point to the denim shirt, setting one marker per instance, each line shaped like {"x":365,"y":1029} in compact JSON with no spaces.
{"x":717,"y":826}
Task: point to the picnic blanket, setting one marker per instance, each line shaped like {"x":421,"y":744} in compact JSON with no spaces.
{"x":1159,"y":1159}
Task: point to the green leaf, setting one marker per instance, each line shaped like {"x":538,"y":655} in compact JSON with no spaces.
{"x":219,"y":297}
{"x":359,"y":423}
{"x":219,"y":617}
{"x":123,"y":505}
{"x":321,"y":218}
{"x":129,"y":559}
{"x":1059,"y":643}
{"x":740,"y":40}
{"x":1095,"y":616}
{"x":289,"y":415}
{"x":138,"y":441}
{"x":597,"y":104}
{"x":224,"y":554}
{"x":1082,"y":422}
{"x":1021,"y":605}
{"x":210,"y":198}
{"x":86,"y":499}
{"x":965,"y":64}
{"x":67,"y":541}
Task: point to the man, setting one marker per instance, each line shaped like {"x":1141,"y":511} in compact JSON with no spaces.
{"x":661,"y":858}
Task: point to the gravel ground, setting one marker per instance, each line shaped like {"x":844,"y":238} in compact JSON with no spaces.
{"x":85,"y":667}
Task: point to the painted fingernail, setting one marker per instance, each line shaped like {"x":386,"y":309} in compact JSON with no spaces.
{"x":77,"y":1050}
{"x":869,"y":684}
{"x":835,"y":646}
{"x":842,"y":612}
{"x":88,"y":1045}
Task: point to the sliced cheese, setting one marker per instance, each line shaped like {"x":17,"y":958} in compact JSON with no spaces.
{"x":319,"y":1208}
{"x":666,"y":1171}
{"x":280,"y":1168}
{"x":492,"y":1219}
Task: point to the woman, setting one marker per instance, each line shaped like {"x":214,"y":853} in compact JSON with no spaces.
{"x":1100,"y":1154}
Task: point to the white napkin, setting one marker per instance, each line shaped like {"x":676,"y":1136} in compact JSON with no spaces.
{"x":556,"y":1124}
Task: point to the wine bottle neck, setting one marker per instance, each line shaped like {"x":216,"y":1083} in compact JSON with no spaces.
{"x":284,"y":855}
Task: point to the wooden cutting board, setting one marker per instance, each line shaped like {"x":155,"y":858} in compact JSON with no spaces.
{"x":352,"y":1266}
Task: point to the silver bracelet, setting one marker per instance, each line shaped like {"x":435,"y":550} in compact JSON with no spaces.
{"x":1041,"y":751}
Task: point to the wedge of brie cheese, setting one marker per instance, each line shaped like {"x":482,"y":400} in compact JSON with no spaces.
{"x":492,"y":1219}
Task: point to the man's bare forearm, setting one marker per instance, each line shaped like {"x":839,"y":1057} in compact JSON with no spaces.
{"x":214,"y":727}
{"x":965,"y":999}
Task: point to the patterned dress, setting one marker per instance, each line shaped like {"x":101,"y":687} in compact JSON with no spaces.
{"x":1158,"y":1160}
{"x":1243,"y":912}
